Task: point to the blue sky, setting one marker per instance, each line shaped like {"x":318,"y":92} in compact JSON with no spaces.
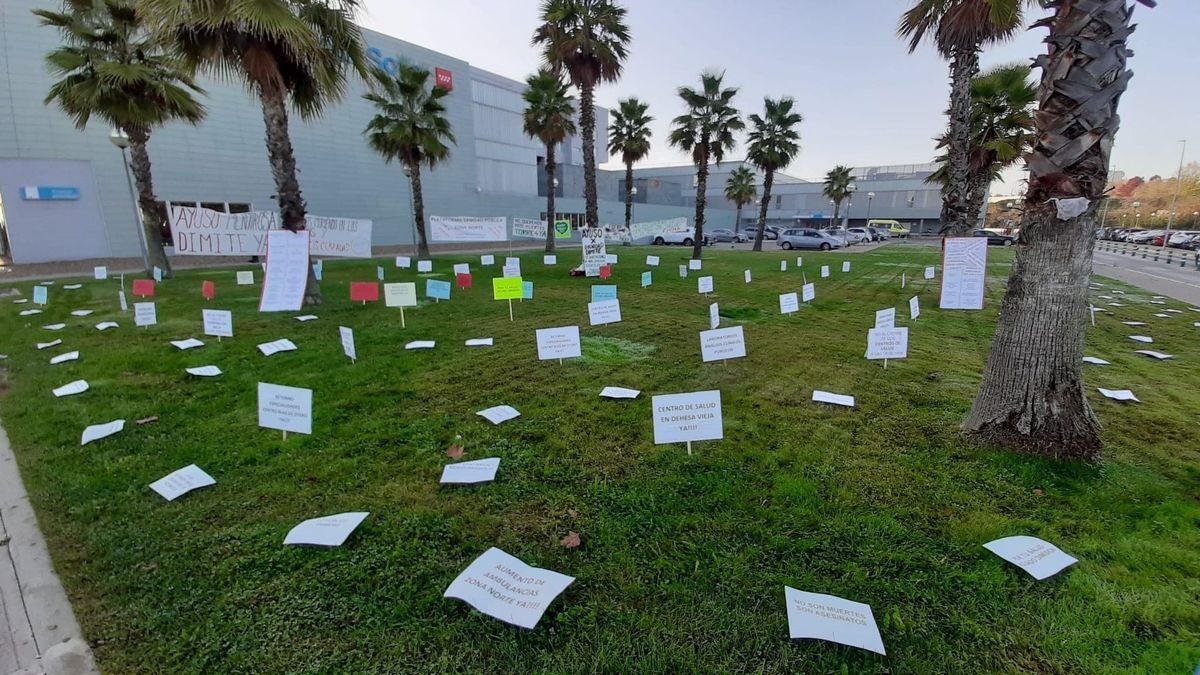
{"x":865,"y":100}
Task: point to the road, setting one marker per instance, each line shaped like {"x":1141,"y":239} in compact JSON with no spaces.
{"x":1173,"y":281}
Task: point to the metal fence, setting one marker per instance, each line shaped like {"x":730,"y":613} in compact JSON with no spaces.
{"x":1167,"y":256}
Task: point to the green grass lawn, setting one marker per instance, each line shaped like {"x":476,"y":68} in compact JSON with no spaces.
{"x":683,"y":559}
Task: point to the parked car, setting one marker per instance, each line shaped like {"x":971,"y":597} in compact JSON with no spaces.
{"x":995,"y":238}
{"x":809,"y":239}
{"x":1181,"y":237}
{"x":879,"y":233}
{"x":683,"y":237}
{"x":842,"y":235}
{"x":723,"y":235}
{"x":888,"y":228}
{"x":1144,"y":236}
{"x":860,"y":235}
{"x":768,"y":234}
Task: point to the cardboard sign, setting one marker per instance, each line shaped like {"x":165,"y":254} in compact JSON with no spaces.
{"x":692,"y":416}
{"x":824,"y":271}
{"x":845,"y":266}
{"x":439,"y":290}
{"x":914,"y":308}
{"x":364,"y":291}
{"x":328,"y":532}
{"x":100,"y":273}
{"x":782,"y":265}
{"x":97,"y":431}
{"x":144,"y":314}
{"x":245,"y":278}
{"x":424,"y":266}
{"x":595,"y":252}
{"x":887,"y":343}
{"x":217,"y":322}
{"x":605,"y":272}
{"x":652,"y":261}
{"x":285,"y":408}
{"x":469,"y":473}
{"x":347,"y":337}
{"x":602,"y":293}
{"x":400,"y":295}
{"x":714,"y":316}
{"x":695,"y":264}
{"x":286,"y":273}
{"x":180,"y":482}
{"x":39,"y":295}
{"x":819,"y":396}
{"x":71,"y":388}
{"x":1039,"y":558}
{"x":683,"y":270}
{"x":604,"y":312}
{"x":462,"y":268}
{"x":558,"y":343}
{"x":498,"y":414}
{"x":788,"y":303}
{"x":722,"y":344}
{"x":143,"y":288}
{"x":526,"y":290}
{"x":505,"y":588}
{"x":704,"y":285}
{"x":746,"y":276}
{"x":647,"y":279}
{"x":487,"y":260}
{"x":549,"y":260}
{"x":403,"y":262}
{"x":809,"y":292}
{"x":885,"y":318}
{"x":930,"y":272}
{"x":817,"y":616}
{"x":507,"y":288}
{"x":964,"y":272}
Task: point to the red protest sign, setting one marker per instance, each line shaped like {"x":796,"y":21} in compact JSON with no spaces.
{"x":364,"y":291}
{"x":208,"y":289}
{"x":464,"y":280}
{"x":143,"y":288}
{"x":605,"y":272}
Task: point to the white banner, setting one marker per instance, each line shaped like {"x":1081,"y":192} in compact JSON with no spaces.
{"x":199,"y":231}
{"x":529,"y":229}
{"x":466,"y":228}
{"x":595,"y":253}
{"x":649,"y":229}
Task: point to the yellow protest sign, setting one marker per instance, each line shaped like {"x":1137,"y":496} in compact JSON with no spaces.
{"x":507,"y":288}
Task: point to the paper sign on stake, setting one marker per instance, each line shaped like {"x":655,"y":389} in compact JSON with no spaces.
{"x":704,"y":285}
{"x":469,"y":473}
{"x":364,"y":291}
{"x":647,"y":279}
{"x":558,"y":343}
{"x":782,"y":265}
{"x":683,"y":418}
{"x":217,"y":322}
{"x":121,"y":299}
{"x":1040,"y":559}
{"x":845,"y":266}
{"x":39,"y":295}
{"x":400,"y":294}
{"x":462,"y":268}
{"x":605,"y":272}
{"x":438,"y":290}
{"x":746,"y":276}
{"x":817,"y":616}
{"x":930,"y":272}
{"x":788,"y":303}
{"x":424,"y":266}
{"x":328,"y":532}
{"x":651,"y":261}
{"x":487,"y":260}
{"x":824,"y":271}
{"x":285,"y":408}
{"x":157,"y":274}
{"x":695,"y":264}
{"x":180,"y":482}
{"x":144,"y":314}
{"x":506,"y":288}
{"x":100,"y":273}
{"x":403,"y":261}
{"x":505,"y":588}
{"x":799,"y":262}
{"x":914,"y":308}
{"x":526,"y":290}
{"x":463,"y":281}
{"x":714,"y":316}
{"x":604,"y":312}
{"x":143,"y":288}
{"x":809,"y":291}
{"x":208,"y":290}
{"x":379,"y":272}
{"x":347,"y":336}
{"x":885,"y":318}
{"x":549,"y":260}
{"x":722,"y":344}
{"x":510,"y":271}
{"x":601,"y":293}
{"x":887,"y":343}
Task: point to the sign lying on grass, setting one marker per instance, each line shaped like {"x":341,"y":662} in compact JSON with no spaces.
{"x":329,"y":531}
{"x":286,"y":272}
{"x":817,"y":616}
{"x":558,"y":343}
{"x":683,"y":418}
{"x":466,"y":228}
{"x":502,"y":587}
{"x":466,"y":473}
{"x":722,"y":344}
{"x":178,"y":483}
{"x":1039,"y":558}
{"x":285,"y":408}
{"x":200,"y":231}
{"x":964,"y":272}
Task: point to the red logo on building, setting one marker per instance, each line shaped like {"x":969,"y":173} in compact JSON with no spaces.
{"x":444,"y":78}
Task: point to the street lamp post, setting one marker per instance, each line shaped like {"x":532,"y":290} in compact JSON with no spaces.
{"x":1175,"y":199}
{"x":870,"y":198}
{"x":119,"y":138}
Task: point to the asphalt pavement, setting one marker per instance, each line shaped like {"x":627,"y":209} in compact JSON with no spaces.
{"x":1159,"y":277}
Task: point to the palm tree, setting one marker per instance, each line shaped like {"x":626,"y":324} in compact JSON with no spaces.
{"x":629,"y":137}
{"x":285,"y":51}
{"x":839,"y":185}
{"x":959,"y":29}
{"x":1001,"y":129}
{"x":740,"y":189}
{"x":774,"y":142}
{"x":549,"y":117}
{"x":588,"y":41}
{"x":410,"y":126}
{"x":1032,"y":396}
{"x":706,"y":131}
{"x":113,"y":68}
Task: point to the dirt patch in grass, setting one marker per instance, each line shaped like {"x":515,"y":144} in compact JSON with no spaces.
{"x":614,"y":351}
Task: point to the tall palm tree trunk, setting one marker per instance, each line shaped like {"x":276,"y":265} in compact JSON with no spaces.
{"x":292,"y":209}
{"x":1032,"y":393}
{"x":701,"y":188}
{"x":551,"y":168}
{"x":963,"y":67}
{"x":837,"y":209}
{"x":768,"y":181}
{"x":977,"y":187}
{"x":139,"y":162}
{"x":737,"y":220}
{"x":587,"y":124}
{"x":418,"y":210}
{"x":628,"y":195}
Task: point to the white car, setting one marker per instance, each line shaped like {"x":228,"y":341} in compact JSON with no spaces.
{"x":682,"y":237}
{"x":859,"y":235}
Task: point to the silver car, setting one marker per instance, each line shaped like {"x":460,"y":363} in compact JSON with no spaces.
{"x":810,"y":239}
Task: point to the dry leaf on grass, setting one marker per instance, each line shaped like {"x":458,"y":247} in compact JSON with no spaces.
{"x":454,"y":451}
{"x":570,"y":541}
{"x":147,"y":420}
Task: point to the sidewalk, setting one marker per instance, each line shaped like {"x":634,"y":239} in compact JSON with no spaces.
{"x":38,"y":631}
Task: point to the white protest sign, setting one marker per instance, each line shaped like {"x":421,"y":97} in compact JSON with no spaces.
{"x":287,"y":271}
{"x":71,"y":388}
{"x":817,"y":616}
{"x":885,"y":318}
{"x":502,"y":587}
{"x":467,"y":473}
{"x":1039,"y":558}
{"x":424,"y":266}
{"x":204,"y":371}
{"x":329,"y":531}
{"x":347,"y":336}
{"x":487,"y":260}
{"x":914,"y":308}
{"x":30,"y":312}
{"x":97,"y":431}
{"x":824,"y":271}
{"x":178,"y":483}
{"x":845,"y":265}
{"x":499,"y":413}
{"x":746,"y":276}
{"x":619,"y":392}
{"x":462,"y":268}
{"x":833,"y":399}
{"x":649,"y":229}
{"x":218,"y":322}
{"x":604,"y":312}
{"x":930,"y":272}
{"x":964,"y":272}
{"x":479,"y":342}
{"x":1154,"y":355}
{"x":82,"y":312}
{"x":705,"y":285}
{"x":610,"y":259}
{"x":695,"y":264}
{"x":421,"y":344}
{"x":714,"y":316}
{"x":782,"y":265}
{"x":305,"y":318}
{"x":55,"y":326}
{"x":400,"y":295}
{"x":788,"y":303}
{"x":100,"y":273}
{"x":595,"y":252}
{"x":403,"y":261}
{"x":510,"y":271}
{"x":200,"y":231}
{"x":799,"y":261}
{"x":887,"y":343}
{"x":184,"y":345}
{"x":683,"y":418}
{"x":1118,"y":394}
{"x":549,"y":260}
{"x":683,"y":270}
{"x":63,"y":358}
{"x":722,"y":343}
{"x":285,"y":408}
{"x":652,"y":261}
{"x":105,"y":325}
{"x":809,"y":292}
{"x":280,"y":345}
{"x":558,"y":343}
{"x":144,"y":314}
{"x":1095,"y":361}
{"x":245,"y":278}
{"x":47,"y":345}
{"x":464,"y":228}
{"x":529,"y":229}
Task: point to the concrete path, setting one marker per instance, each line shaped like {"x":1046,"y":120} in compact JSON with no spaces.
{"x":38,"y":631}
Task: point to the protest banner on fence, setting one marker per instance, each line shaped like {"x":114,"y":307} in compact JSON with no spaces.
{"x":654,"y":227}
{"x":200,"y":231}
{"x":529,"y":229}
{"x":468,"y":228}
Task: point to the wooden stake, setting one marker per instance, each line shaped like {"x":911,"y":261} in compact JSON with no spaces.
{"x":285,"y":434}
{"x":689,"y":448}
{"x":402,"y":317}
{"x":510,"y":316}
